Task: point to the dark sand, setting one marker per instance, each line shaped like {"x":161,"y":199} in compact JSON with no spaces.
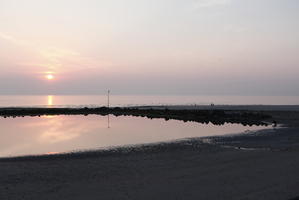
{"x":263,"y":165}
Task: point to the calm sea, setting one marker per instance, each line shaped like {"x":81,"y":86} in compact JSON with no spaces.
{"x":134,"y":100}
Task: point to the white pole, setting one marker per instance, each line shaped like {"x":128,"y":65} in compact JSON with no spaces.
{"x":108,"y":102}
{"x":108,"y":98}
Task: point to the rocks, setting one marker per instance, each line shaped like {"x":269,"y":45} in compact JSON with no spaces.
{"x":217,"y":117}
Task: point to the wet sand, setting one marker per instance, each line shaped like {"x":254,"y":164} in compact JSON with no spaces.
{"x":260,"y":165}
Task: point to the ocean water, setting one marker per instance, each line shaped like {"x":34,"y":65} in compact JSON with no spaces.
{"x":56,"y":134}
{"x":135,"y":100}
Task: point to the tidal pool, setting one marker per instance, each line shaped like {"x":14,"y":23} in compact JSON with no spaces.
{"x":58,"y":134}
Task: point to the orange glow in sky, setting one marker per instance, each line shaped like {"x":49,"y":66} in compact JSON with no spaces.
{"x":195,"y":47}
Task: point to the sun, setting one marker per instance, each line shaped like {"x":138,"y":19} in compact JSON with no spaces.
{"x":49,"y":77}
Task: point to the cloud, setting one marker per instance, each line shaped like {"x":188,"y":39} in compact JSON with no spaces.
{"x":52,"y":58}
{"x":12,"y":39}
{"x":211,"y":3}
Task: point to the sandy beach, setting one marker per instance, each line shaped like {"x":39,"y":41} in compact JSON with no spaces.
{"x":149,"y":100}
{"x":256,"y":165}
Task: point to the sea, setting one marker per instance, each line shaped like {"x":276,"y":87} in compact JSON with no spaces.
{"x":139,"y":100}
{"x":21,"y":136}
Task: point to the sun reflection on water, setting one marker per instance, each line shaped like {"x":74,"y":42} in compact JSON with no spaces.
{"x":50,"y":100}
{"x":51,"y":134}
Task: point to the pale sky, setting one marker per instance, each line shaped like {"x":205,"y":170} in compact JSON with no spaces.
{"x":195,"y":47}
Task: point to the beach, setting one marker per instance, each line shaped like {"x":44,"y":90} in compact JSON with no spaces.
{"x":255,"y":165}
{"x":149,"y":100}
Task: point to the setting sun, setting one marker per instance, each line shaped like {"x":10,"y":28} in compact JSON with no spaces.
{"x":50,"y":77}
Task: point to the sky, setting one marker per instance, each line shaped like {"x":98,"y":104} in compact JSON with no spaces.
{"x":182,"y":47}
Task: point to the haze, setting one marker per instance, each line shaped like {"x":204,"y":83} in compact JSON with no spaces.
{"x":231,"y":47}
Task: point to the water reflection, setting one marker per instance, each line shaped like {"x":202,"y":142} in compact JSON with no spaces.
{"x":108,"y":122}
{"x":41,"y":135}
{"x":50,"y":100}
{"x":120,"y":100}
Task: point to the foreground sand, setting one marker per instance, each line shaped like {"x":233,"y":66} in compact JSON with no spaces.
{"x":255,"y":166}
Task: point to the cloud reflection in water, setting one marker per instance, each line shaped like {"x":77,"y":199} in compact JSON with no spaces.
{"x":41,"y":135}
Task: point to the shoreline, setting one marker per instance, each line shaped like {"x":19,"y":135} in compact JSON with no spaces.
{"x":217,"y":117}
{"x":190,"y":168}
{"x":155,"y":147}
